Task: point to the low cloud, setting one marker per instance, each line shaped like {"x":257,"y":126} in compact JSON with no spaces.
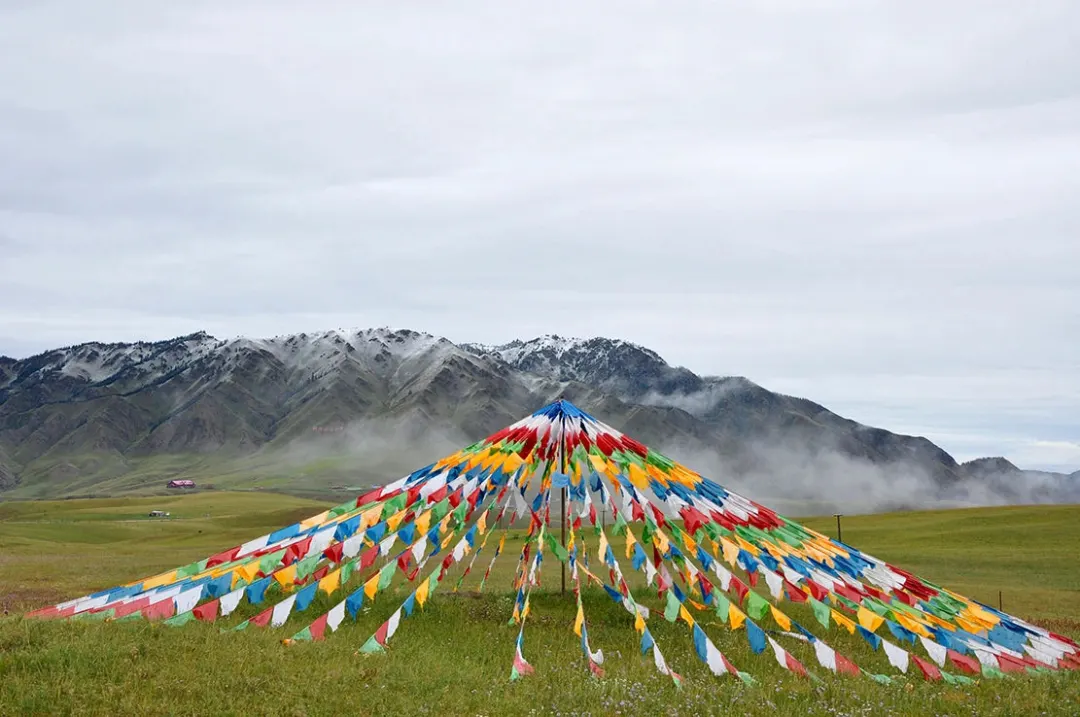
{"x":796,"y":479}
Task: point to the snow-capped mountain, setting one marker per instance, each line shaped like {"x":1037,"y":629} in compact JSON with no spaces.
{"x":614,"y":364}
{"x":87,"y":418}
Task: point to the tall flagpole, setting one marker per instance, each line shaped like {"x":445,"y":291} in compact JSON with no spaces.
{"x":562,"y":469}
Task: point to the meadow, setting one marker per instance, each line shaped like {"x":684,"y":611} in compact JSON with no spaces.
{"x":454,"y":656}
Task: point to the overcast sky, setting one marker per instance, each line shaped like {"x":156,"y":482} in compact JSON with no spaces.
{"x":870,"y":204}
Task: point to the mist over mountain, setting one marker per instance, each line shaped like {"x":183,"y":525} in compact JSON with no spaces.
{"x":339,"y":409}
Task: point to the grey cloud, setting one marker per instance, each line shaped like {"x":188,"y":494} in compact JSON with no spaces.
{"x":867,"y":203}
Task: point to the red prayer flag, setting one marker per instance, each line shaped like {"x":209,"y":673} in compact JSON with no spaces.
{"x":1010,"y":664}
{"x":334,"y":553}
{"x":968,"y":664}
{"x":818,"y":591}
{"x":125,"y":609}
{"x":794,"y":665}
{"x":207,"y":612}
{"x":846,"y":667}
{"x":160,"y":610}
{"x":929,"y":670}
{"x":380,"y":634}
{"x":263,"y":618}
{"x":794,"y":593}
{"x":739,"y":587}
{"x":368,"y":557}
{"x":318,"y":628}
{"x":223,"y":557}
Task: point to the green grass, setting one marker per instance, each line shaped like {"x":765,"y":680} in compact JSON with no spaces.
{"x":454,"y":656}
{"x":96,"y":474}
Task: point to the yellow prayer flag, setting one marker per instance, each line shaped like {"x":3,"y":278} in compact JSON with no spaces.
{"x":422,"y":592}
{"x":314,"y":520}
{"x":748,"y":546}
{"x":371,"y":586}
{"x":979,"y":614}
{"x":934,"y":619}
{"x":843,"y":621}
{"x":165,"y":579}
{"x":394,"y":520}
{"x":512,"y":463}
{"x":656,"y":474}
{"x":736,"y":617}
{"x":639,"y":622}
{"x":579,"y":621}
{"x":331,"y":582}
{"x":423,"y":523}
{"x":870,"y":620}
{"x":630,"y":541}
{"x":731,"y":551}
{"x":286,"y":576}
{"x":248,"y":571}
{"x":370,"y":517}
{"x":912,"y":624}
{"x":781,"y":619}
{"x":969,"y":625}
{"x":662,"y":543}
{"x":686,"y":616}
{"x":481,"y":524}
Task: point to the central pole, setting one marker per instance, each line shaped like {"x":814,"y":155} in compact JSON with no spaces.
{"x":562,"y":469}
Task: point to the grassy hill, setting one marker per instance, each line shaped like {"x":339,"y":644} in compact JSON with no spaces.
{"x":454,"y":656}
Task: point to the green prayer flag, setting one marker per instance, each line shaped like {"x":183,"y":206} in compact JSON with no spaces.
{"x":459,"y":513}
{"x":303,"y":636}
{"x":371,"y":646}
{"x":181,"y":619}
{"x":307,"y":566}
{"x":757,"y":607}
{"x":648,"y":531}
{"x":956,"y":679}
{"x":347,"y":571}
{"x":880,"y":679}
{"x":440,"y":509}
{"x":723,"y":605}
{"x":620,"y":525}
{"x":671,"y":610}
{"x":747,"y":679}
{"x":386,"y":575}
{"x":269,"y":563}
{"x":821,"y":611}
{"x":343,"y":508}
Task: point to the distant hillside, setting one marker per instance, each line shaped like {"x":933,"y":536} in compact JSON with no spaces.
{"x":306,"y":412}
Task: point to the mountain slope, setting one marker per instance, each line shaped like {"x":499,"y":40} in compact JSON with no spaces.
{"x":347,"y":406}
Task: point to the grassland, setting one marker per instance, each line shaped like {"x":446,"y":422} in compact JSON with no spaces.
{"x":454,"y":656}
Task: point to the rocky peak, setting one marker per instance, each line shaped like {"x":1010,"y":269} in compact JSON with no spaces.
{"x":995,"y":465}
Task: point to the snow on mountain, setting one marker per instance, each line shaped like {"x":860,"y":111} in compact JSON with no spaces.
{"x":198,"y":393}
{"x":549,"y":350}
{"x":96,"y":363}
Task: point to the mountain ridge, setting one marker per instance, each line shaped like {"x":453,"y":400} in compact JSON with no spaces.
{"x":123,"y":404}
